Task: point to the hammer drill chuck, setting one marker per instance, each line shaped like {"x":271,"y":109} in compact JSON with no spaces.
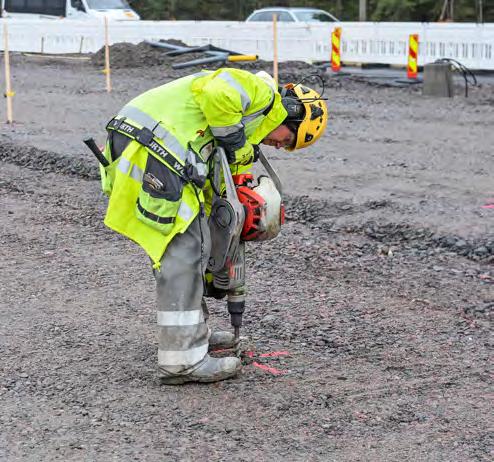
{"x":236,"y":307}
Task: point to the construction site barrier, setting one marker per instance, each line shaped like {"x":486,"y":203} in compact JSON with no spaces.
{"x":335,"y":49}
{"x":413,"y":52}
{"x":384,"y":43}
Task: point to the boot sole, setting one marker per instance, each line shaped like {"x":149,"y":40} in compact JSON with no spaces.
{"x":180,"y":380}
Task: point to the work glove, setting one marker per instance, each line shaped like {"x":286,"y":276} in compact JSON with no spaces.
{"x":243,"y":156}
{"x":210,"y":290}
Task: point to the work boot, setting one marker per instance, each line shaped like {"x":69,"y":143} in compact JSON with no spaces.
{"x":222,"y":339}
{"x":208,"y":370}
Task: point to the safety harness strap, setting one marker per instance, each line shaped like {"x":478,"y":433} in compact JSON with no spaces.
{"x":146,"y":137}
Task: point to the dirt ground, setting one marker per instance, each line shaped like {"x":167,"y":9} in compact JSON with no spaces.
{"x":380,"y":289}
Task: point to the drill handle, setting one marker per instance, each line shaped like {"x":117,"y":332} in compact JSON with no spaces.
{"x":271,"y":171}
{"x":91,"y":144}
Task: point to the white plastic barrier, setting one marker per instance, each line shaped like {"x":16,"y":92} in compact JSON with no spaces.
{"x":385,"y":43}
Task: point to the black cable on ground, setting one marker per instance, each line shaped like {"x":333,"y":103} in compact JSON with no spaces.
{"x":467,"y":74}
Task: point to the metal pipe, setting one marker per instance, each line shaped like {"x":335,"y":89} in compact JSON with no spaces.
{"x":196,"y":62}
{"x":188,"y":50}
{"x":237,"y":58}
{"x":168,"y":46}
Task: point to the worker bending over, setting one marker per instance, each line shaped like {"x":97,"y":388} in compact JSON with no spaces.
{"x":160,"y":193}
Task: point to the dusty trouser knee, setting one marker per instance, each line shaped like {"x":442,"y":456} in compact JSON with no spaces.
{"x":183,"y":333}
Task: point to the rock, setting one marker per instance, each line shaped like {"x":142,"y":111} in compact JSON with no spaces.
{"x":482,"y":250}
{"x":450,"y":241}
{"x":268,"y":319}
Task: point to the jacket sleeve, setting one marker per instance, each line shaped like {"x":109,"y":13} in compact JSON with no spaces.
{"x":223,"y":106}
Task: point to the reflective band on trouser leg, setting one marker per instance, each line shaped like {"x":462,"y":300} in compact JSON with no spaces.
{"x":180,"y":318}
{"x":174,"y":361}
{"x":244,"y":97}
{"x":183,"y":333}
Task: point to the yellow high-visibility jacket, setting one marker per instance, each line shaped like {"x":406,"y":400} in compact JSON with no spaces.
{"x":159,"y":184}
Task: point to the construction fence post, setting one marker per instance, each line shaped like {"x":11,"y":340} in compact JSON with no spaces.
{"x":8,"y":88}
{"x":275,"y":48}
{"x":107,"y":57}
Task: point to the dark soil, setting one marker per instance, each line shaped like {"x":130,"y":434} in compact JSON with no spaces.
{"x":127,"y":55}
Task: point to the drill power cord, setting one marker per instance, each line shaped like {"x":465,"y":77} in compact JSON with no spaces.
{"x":321,"y":80}
{"x":467,"y":74}
{"x":299,"y":101}
{"x":202,"y":213}
{"x":302,"y":80}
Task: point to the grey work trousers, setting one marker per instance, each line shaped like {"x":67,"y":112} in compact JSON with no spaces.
{"x":183,"y":333}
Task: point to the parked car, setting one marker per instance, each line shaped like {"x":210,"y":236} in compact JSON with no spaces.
{"x":76,"y":9}
{"x":292,"y":15}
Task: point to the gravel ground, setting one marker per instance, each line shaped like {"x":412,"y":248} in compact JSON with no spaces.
{"x":380,"y":289}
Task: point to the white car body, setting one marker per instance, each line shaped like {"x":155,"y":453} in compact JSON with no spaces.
{"x":291,"y":15}
{"x":114,"y":10}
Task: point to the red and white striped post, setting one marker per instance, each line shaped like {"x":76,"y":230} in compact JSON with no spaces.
{"x":335,"y":49}
{"x":413,"y":56}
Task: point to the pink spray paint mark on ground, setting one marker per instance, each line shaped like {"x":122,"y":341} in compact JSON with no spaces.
{"x":274,"y":354}
{"x":264,"y":367}
{"x":489,"y":204}
{"x":272,"y":370}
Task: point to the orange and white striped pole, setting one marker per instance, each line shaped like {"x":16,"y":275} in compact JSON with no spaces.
{"x":413,"y":56}
{"x":335,"y":49}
